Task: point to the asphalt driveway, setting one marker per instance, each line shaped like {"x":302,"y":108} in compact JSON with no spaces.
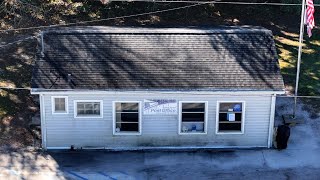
{"x":300,"y":161}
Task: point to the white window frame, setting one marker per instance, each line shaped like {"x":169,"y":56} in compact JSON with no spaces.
{"x":91,"y":116}
{"x":243,"y":110}
{"x":65,"y":103}
{"x":114,"y":118}
{"x":205,"y":118}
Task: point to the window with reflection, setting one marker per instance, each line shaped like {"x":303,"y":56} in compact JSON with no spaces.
{"x":193,"y":117}
{"x":127,"y":117}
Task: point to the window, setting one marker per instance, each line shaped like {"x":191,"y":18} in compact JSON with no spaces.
{"x":127,"y":118}
{"x":192,"y":117}
{"x":230,"y":117}
{"x":87,"y":108}
{"x":59,"y":104}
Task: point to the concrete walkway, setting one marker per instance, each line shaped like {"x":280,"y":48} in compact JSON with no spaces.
{"x":300,"y":161}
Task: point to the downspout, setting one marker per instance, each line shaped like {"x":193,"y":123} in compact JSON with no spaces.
{"x":42,"y":45}
{"x":271,"y":125}
{"x":43,"y":123}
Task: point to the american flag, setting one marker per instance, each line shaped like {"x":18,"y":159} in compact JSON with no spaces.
{"x":310,"y":17}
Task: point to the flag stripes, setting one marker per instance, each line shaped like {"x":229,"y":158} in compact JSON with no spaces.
{"x":310,"y":17}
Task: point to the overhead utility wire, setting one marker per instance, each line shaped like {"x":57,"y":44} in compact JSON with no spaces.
{"x":197,"y":3}
{"x":214,"y":2}
{"x":106,"y":19}
{"x":13,"y":88}
{"x":18,"y":41}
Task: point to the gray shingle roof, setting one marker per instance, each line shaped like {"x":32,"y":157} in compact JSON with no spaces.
{"x":104,"y":58}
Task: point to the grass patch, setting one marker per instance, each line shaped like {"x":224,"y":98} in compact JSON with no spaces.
{"x":287,"y":45}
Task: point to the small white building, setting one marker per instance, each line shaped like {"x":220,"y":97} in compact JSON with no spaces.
{"x":135,"y":88}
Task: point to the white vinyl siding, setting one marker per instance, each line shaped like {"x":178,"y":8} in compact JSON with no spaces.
{"x":156,"y":130}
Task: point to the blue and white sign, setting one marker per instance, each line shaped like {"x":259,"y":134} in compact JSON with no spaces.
{"x":160,"y":106}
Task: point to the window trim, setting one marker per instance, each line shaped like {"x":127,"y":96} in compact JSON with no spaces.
{"x":205,"y":118}
{"x":65,"y":102}
{"x":242,"y":117}
{"x":114,"y":119}
{"x":75,"y":112}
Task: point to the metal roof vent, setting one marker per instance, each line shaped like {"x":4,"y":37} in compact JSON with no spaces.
{"x":69,"y":78}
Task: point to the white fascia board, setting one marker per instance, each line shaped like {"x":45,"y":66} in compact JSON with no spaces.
{"x":271,"y":121}
{"x":250,"y":93}
{"x":58,"y":148}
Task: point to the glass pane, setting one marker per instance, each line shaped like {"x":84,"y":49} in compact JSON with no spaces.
{"x":193,"y":107}
{"x":63,"y":106}
{"x":118,"y":117}
{"x":127,"y":107}
{"x":96,"y":106}
{"x":192,"y":117}
{"x":230,"y":127}
{"x":192,"y":127}
{"x":223,"y":116}
{"x":89,"y":111}
{"x":80,"y":106}
{"x":131,"y":127}
{"x":96,"y":111}
{"x":80,"y":111}
{"x":88,"y":108}
{"x":127,"y":117}
{"x":118,"y":107}
{"x":229,"y":107}
{"x":59,"y":104}
{"x":238,"y":116}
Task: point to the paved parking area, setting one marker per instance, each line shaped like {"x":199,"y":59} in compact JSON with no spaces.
{"x":243,"y":164}
{"x":300,"y":161}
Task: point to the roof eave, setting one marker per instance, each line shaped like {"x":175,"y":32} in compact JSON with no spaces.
{"x":100,"y":91}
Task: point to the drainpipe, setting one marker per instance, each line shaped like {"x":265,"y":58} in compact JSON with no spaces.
{"x":42,"y":44}
{"x":43,"y":122}
{"x":271,"y":120}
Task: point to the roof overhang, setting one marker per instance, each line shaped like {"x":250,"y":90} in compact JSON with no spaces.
{"x":157,"y":30}
{"x":193,"y":92}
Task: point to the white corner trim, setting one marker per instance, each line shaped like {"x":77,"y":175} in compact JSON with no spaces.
{"x":43,"y":123}
{"x":205,"y":118}
{"x":242,"y":116}
{"x":271,"y":125}
{"x":75,"y":114}
{"x":114,"y":119}
{"x":66,"y":102}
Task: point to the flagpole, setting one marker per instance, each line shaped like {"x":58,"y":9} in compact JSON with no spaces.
{"x":303,"y":9}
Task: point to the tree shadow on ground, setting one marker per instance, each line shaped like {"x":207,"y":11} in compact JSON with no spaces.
{"x":16,"y":106}
{"x":27,"y":165}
